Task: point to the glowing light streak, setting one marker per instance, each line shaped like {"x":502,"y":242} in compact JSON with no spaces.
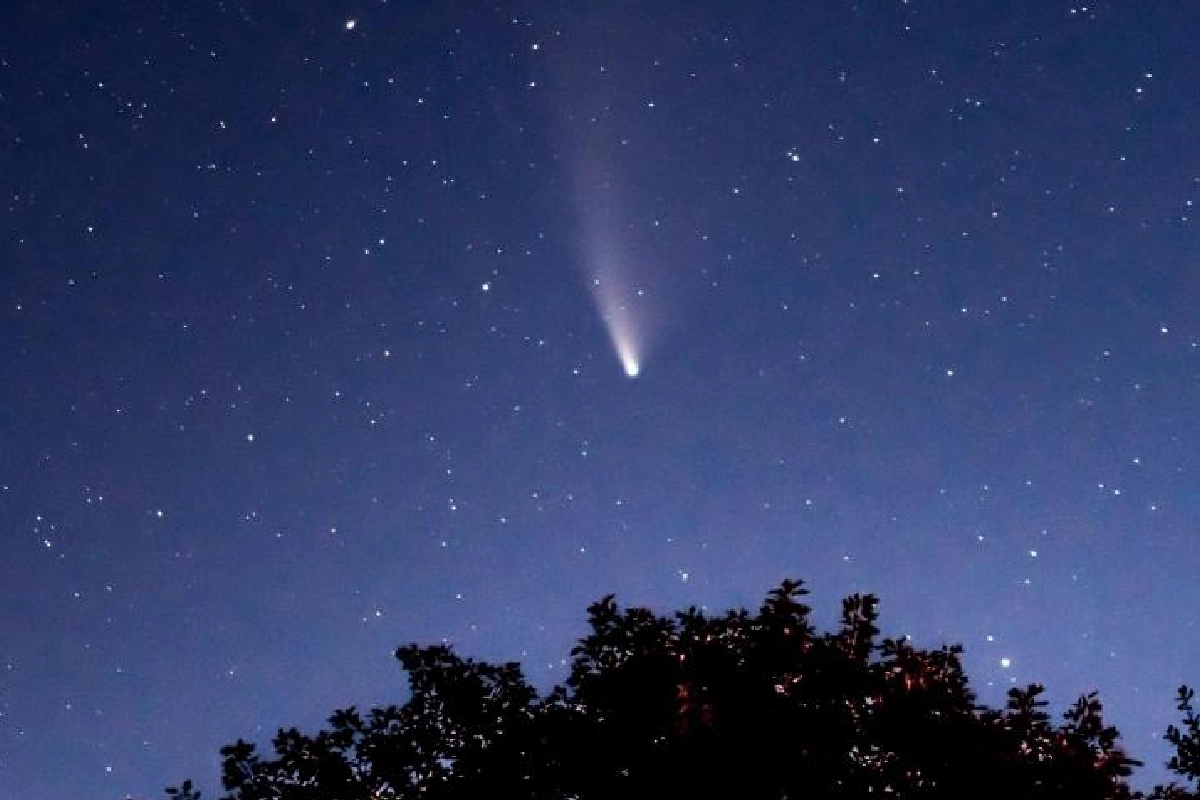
{"x":618,"y":319}
{"x":611,"y":260}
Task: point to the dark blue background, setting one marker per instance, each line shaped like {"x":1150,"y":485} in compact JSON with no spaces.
{"x":917,"y":317}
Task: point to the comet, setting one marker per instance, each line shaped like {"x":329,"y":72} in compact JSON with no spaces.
{"x":619,"y":320}
{"x":611,"y":261}
{"x":626,"y":351}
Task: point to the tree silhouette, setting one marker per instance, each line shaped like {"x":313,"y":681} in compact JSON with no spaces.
{"x":184,"y":791}
{"x":739,"y":705}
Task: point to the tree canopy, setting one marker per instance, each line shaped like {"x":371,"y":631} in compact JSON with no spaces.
{"x":739,"y":705}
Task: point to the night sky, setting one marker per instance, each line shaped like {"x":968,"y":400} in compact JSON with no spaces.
{"x":325,"y":328}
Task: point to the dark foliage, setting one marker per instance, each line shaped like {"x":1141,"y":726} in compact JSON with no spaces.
{"x":739,"y":705}
{"x":184,"y":791}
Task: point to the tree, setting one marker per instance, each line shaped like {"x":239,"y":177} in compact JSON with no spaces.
{"x":737,"y":705}
{"x":182,"y":792}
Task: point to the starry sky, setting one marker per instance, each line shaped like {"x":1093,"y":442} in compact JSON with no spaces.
{"x":329,"y":327}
